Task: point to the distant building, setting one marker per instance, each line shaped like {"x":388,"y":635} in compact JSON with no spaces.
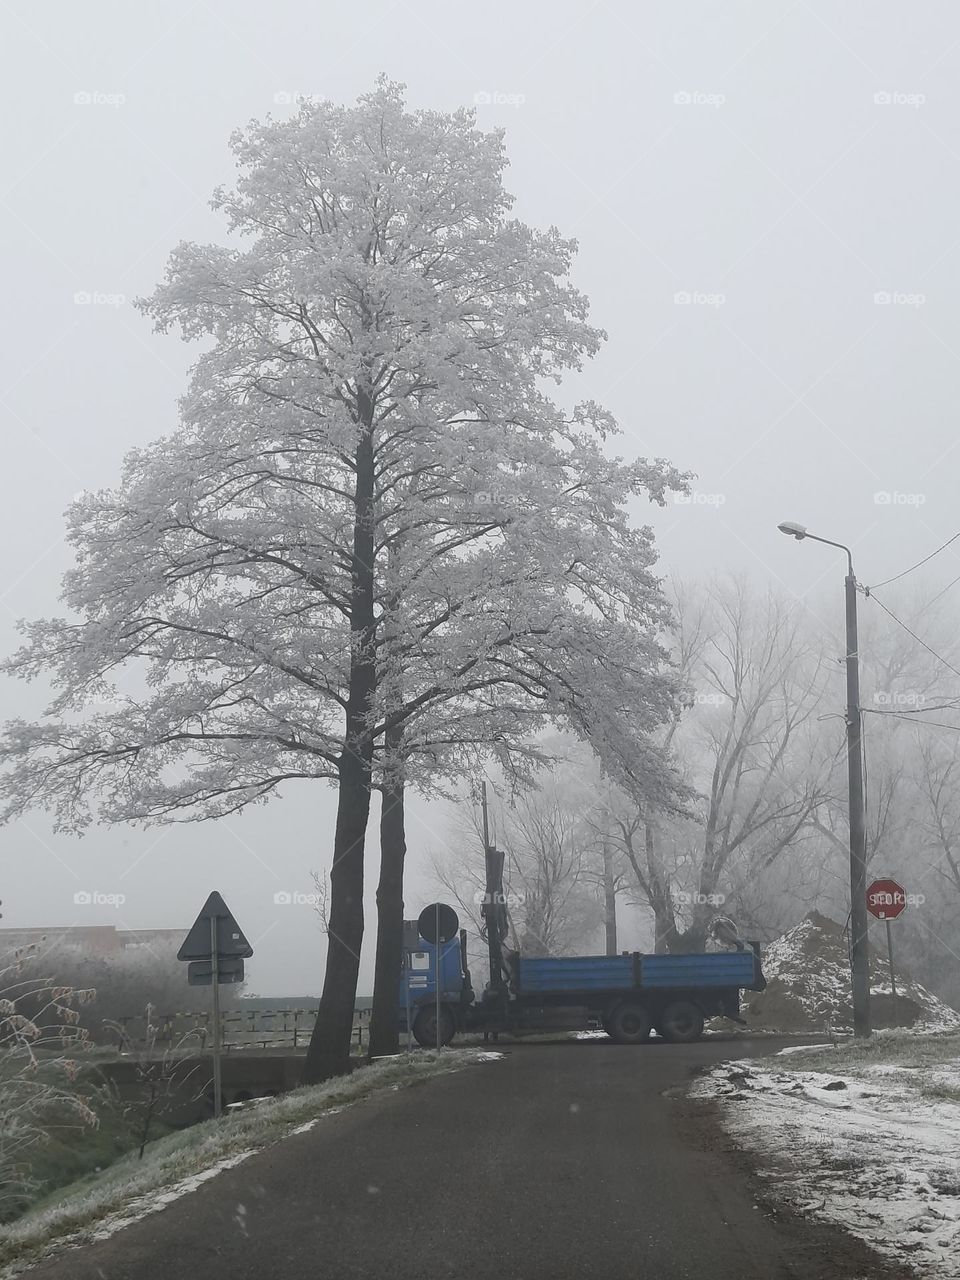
{"x":100,"y":939}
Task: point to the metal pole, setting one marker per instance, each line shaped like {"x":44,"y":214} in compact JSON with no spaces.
{"x":609,"y":893}
{"x":893,"y":981}
{"x":439,"y":948}
{"x":483,"y":810}
{"x":859,"y":956}
{"x":217,"y":1089}
{"x":406,"y":974}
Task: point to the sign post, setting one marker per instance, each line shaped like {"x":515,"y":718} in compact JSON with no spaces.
{"x":215,"y":979}
{"x":437,"y":924}
{"x":886,"y":899}
{"x":438,"y":951}
{"x":215,"y":948}
{"x":893,"y":981}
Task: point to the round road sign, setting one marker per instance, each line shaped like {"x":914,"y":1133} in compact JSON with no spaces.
{"x":438,"y":923}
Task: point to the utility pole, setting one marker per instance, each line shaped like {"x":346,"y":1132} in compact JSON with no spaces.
{"x":486,"y":820}
{"x":859,"y":954}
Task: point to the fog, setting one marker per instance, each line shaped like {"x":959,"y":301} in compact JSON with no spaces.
{"x":765,"y":199}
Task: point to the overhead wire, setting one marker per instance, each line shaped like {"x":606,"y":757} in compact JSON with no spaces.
{"x":898,"y":576}
{"x":951,"y":583}
{"x":933,"y":652}
{"x":934,"y":724}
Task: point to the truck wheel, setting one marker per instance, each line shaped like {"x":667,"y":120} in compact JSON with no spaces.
{"x":681,"y":1022}
{"x":628,"y":1024}
{"x":425,"y":1026}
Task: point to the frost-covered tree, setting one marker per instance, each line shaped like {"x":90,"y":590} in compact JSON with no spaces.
{"x":375,"y":545}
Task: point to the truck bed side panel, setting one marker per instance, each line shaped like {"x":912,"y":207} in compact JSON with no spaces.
{"x":576,"y":973}
{"x":714,"y":969}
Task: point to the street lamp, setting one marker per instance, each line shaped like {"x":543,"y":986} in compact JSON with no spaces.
{"x":859,"y":958}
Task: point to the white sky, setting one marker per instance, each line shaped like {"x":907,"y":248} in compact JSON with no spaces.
{"x":783,"y":185}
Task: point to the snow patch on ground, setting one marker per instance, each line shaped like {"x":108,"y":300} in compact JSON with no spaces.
{"x":141,"y":1206}
{"x":801,"y":1048}
{"x":872,"y":1146}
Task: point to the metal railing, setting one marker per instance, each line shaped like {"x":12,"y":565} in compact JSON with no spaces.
{"x":240,"y":1029}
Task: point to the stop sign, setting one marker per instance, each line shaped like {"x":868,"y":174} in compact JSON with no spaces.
{"x":886,"y":899}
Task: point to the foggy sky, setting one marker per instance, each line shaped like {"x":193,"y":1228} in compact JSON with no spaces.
{"x":781,"y":164}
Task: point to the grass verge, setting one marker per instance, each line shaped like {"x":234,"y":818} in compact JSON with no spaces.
{"x":97,"y":1205}
{"x":902,"y":1049}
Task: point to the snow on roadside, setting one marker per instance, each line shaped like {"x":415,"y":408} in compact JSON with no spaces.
{"x":176,"y":1165}
{"x":871,"y":1146}
{"x":141,"y":1206}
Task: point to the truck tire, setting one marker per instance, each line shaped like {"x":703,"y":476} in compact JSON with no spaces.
{"x":425,"y":1026}
{"x":681,"y":1022}
{"x":628,"y":1024}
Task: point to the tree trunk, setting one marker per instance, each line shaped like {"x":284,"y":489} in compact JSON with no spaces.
{"x":661,"y":899}
{"x":609,"y":900}
{"x":384,"y":1032}
{"x":666,"y":931}
{"x":329,"y":1051}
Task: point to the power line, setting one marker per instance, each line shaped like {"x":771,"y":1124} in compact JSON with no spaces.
{"x":898,"y":576}
{"x":954,"y":705}
{"x":950,"y":584}
{"x":934,"y":724}
{"x":933,"y":652}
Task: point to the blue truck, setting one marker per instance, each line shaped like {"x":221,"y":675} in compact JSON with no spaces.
{"x":627,"y":995}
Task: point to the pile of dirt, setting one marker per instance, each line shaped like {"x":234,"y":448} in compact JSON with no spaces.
{"x":808,"y":986}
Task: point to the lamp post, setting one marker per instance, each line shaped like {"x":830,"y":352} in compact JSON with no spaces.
{"x":859,"y":958}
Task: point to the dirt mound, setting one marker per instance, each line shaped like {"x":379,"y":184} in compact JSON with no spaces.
{"x":808,"y":986}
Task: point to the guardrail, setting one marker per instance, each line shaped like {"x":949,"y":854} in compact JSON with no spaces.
{"x":239,"y":1028}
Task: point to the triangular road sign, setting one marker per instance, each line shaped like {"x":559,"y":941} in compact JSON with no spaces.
{"x":230,"y":939}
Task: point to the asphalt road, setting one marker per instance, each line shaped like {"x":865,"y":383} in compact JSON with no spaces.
{"x":559,"y":1161}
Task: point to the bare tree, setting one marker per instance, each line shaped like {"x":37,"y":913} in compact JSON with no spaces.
{"x":748,"y":745}
{"x":550,"y":847}
{"x":161,"y":1073}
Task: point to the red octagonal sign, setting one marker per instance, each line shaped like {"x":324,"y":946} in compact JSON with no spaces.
{"x":886,"y":899}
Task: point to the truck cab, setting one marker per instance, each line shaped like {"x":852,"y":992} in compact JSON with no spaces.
{"x":418,"y":986}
